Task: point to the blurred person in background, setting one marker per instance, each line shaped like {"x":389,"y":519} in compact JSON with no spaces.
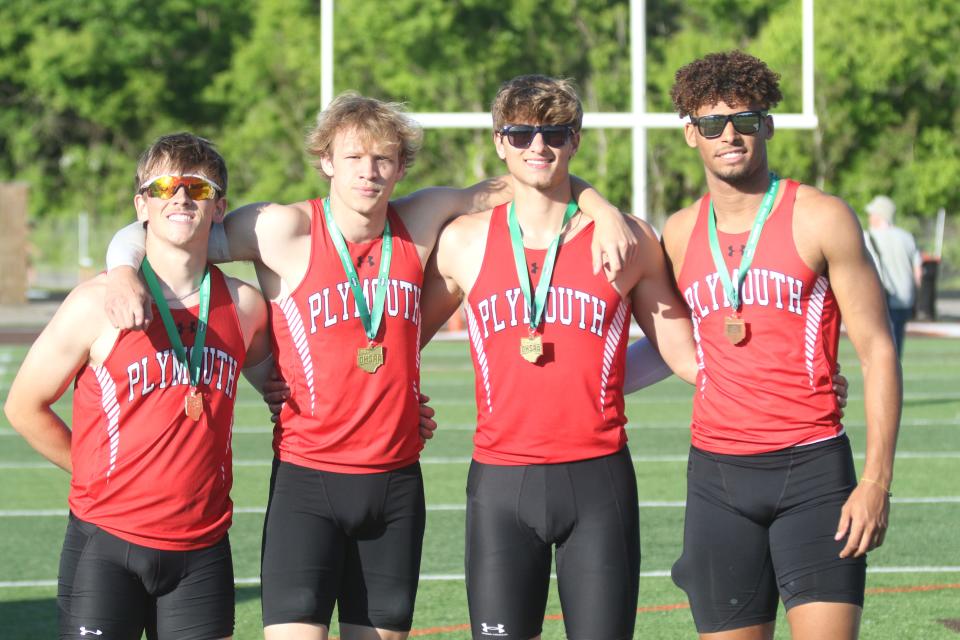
{"x":898,"y":261}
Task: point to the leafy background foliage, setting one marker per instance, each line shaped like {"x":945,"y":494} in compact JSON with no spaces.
{"x":84,"y":87}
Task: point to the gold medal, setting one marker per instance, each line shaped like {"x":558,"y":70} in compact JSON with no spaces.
{"x":370,"y":358}
{"x":531,"y":348}
{"x":193,"y":404}
{"x":735,"y":329}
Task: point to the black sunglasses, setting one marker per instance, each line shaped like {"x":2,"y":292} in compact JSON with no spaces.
{"x":521,"y":135}
{"x":744,"y":122}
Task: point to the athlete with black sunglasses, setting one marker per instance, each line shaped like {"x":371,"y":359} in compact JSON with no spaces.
{"x":551,"y":471}
{"x":767,"y":267}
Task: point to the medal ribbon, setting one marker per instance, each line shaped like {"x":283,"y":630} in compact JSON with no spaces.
{"x":196,"y":353}
{"x":371,"y":325}
{"x":535,"y":304}
{"x":766,"y":206}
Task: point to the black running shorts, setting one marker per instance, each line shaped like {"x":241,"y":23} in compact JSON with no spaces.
{"x":760,"y":528}
{"x":516,"y":514}
{"x":350,"y":539}
{"x":115,"y":589}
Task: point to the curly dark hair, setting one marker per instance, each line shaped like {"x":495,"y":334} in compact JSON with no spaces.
{"x":733,"y":77}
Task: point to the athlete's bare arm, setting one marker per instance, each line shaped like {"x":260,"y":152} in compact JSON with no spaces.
{"x":252,"y":313}
{"x":424,"y":213}
{"x":830,"y":239}
{"x":676,"y":236}
{"x":452,"y":271}
{"x":275,"y":237}
{"x":658,"y":309}
{"x":79,"y":333}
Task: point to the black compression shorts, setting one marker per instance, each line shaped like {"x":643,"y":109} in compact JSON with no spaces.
{"x":350,"y":539}
{"x":115,"y":589}
{"x":515,"y":514}
{"x":760,"y":528}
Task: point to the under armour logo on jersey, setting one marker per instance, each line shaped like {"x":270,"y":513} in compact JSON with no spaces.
{"x":492,"y":629}
{"x":534,"y":268}
{"x":368,"y":259}
{"x":94,"y":632}
{"x":181,"y":327}
{"x":730,"y":249}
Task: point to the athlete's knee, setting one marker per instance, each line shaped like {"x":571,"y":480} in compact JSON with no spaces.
{"x":356,"y":632}
{"x":295,"y":631}
{"x":394,"y":615}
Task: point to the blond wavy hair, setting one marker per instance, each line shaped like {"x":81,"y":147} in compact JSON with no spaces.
{"x":375,"y":121}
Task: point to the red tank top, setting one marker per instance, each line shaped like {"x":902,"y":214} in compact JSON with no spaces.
{"x":569,"y":405}
{"x":774,"y":390}
{"x":143,"y":470}
{"x":339,"y":417}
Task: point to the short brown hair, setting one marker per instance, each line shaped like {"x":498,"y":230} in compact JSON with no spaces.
{"x":374,"y":119}
{"x":184,"y":152}
{"x":537,"y":99}
{"x":733,"y":77}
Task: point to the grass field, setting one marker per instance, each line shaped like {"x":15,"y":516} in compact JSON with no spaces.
{"x":913,"y":580}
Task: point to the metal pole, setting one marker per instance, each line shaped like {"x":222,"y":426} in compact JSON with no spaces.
{"x":326,"y":53}
{"x":638,"y":98}
{"x":809,"y":108}
{"x":83,"y":240}
{"x":941,"y":223}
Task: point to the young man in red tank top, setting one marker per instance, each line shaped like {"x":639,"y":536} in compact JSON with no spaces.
{"x":550,"y":468}
{"x":348,"y":434}
{"x":767,"y":266}
{"x":146,"y":546}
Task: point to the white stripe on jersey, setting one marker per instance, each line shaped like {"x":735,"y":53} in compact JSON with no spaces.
{"x":111,"y":410}
{"x":610,"y":349}
{"x":477,"y":340}
{"x":812,"y":330}
{"x":298,"y":335}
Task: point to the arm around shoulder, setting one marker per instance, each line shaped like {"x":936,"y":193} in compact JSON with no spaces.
{"x":451,"y":271}
{"x":254,"y":322}
{"x":425,"y":211}
{"x":260,"y":230}
{"x":659,"y":310}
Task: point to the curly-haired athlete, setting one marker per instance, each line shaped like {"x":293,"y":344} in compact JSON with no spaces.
{"x":767,"y":268}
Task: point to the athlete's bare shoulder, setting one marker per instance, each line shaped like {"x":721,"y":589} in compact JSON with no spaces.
{"x":676,"y":233}
{"x":290,"y":219}
{"x":245,"y":295}
{"x":818,"y":206}
{"x":641,"y":228}
{"x":823,"y":225}
{"x":82,"y":318}
{"x":466,"y":230}
{"x":461,"y":248}
{"x":252,"y":312}
{"x":87,"y":293}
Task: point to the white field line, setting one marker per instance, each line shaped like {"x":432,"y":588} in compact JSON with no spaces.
{"x":643,"y":504}
{"x":459,"y":577}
